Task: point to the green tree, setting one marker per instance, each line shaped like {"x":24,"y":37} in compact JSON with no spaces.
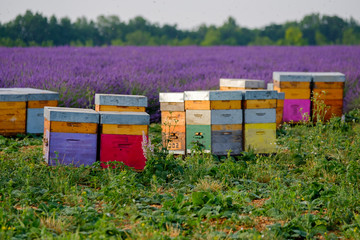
{"x":212,"y":37}
{"x":350,"y":38}
{"x":293,"y":36}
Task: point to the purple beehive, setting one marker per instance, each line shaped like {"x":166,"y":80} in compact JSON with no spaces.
{"x":296,"y":110}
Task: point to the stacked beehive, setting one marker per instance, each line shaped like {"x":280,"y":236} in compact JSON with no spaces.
{"x":279,"y":108}
{"x":36,"y":101}
{"x":214,"y":121}
{"x":70,"y":136}
{"x":260,"y":121}
{"x":173,"y":122}
{"x":121,"y":138}
{"x":227,"y":84}
{"x":328,"y":87}
{"x":120,"y":103}
{"x":296,"y":86}
{"x":12,"y":112}
{"x":123,"y":124}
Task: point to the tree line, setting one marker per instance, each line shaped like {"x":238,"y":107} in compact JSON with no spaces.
{"x":34,"y":29}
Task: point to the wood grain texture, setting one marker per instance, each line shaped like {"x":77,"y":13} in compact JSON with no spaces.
{"x":224,"y":88}
{"x":291,"y":85}
{"x":13,"y":115}
{"x":328,"y":94}
{"x":294,"y":93}
{"x":261,"y":103}
{"x":172,"y":106}
{"x":42,"y":104}
{"x":73,"y":127}
{"x":120,"y":129}
{"x":224,"y":140}
{"x":173,"y":128}
{"x":226,"y":127}
{"x":329,"y":85}
{"x":225,"y":104}
{"x":12,"y":105}
{"x":279,"y":103}
{"x":175,"y":141}
{"x":197,"y":105}
{"x":172,"y":118}
{"x":279,"y":116}
{"x":109,"y":108}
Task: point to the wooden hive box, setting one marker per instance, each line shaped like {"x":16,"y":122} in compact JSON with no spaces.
{"x":296,"y":86}
{"x":329,"y":90}
{"x":70,"y":136}
{"x":37,"y":100}
{"x":260,"y":120}
{"x":12,"y":112}
{"x":227,"y":84}
{"x":212,"y":100}
{"x":173,"y":122}
{"x":279,"y":109}
{"x":121,"y":137}
{"x":218,"y":130}
{"x":120,"y":103}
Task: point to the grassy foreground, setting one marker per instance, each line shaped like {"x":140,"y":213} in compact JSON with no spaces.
{"x":309,"y":189}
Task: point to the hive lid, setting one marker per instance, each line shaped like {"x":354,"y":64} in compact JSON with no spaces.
{"x":171,"y":97}
{"x":37,"y":94}
{"x":63,"y":114}
{"x":292,"y":76}
{"x":242,"y":83}
{"x":12,"y":96}
{"x":121,"y":100}
{"x":260,"y":94}
{"x":126,"y":118}
{"x":328,"y":77}
{"x":213,"y":95}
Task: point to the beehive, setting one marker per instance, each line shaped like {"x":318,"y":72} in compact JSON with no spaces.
{"x":121,"y":137}
{"x":329,"y":88}
{"x":280,"y":109}
{"x":260,"y":121}
{"x":173,"y":122}
{"x":70,"y":136}
{"x":120,"y":103}
{"x":12,"y":112}
{"x":296,"y":86}
{"x":214,"y":120}
{"x":37,"y":100}
{"x":227,"y":84}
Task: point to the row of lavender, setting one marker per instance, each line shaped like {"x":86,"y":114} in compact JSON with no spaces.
{"x":77,"y":73}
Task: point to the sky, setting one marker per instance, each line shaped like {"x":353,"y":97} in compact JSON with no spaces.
{"x":186,"y":14}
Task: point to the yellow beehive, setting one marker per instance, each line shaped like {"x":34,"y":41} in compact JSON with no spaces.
{"x":260,"y":137}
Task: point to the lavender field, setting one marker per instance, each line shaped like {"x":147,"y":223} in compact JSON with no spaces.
{"x":78,"y":73}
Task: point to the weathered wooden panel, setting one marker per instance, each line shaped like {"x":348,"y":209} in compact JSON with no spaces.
{"x":12,"y":105}
{"x":174,"y":141}
{"x":334,"y":108}
{"x":270,"y":86}
{"x":261,"y":103}
{"x":222,"y":88}
{"x":13,"y":115}
{"x":296,"y":110}
{"x":35,"y":120}
{"x":329,"y":85}
{"x":260,"y":115}
{"x":291,"y":85}
{"x":280,"y":103}
{"x":260,"y":94}
{"x":121,"y":100}
{"x":172,"y":106}
{"x":295,"y":93}
{"x":73,"y":127}
{"x":118,"y":108}
{"x":12,"y":121}
{"x":123,"y":129}
{"x":292,"y":76}
{"x":122,"y":148}
{"x":225,"y":138}
{"x":197,"y":105}
{"x":172,"y":118}
{"x":279,"y":116}
{"x":214,"y":95}
{"x":328,"y":77}
{"x":173,"y":128}
{"x":173,"y":97}
{"x":125,"y":118}
{"x":72,"y":148}
{"x":261,"y":137}
{"x":42,"y":103}
{"x":242,"y":83}
{"x":329,"y":93}
{"x":7,"y":95}
{"x":198,"y":134}
{"x":198,"y":117}
{"x":62,"y":114}
{"x":232,"y":116}
{"x":225,"y":104}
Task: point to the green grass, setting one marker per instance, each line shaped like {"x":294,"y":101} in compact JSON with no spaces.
{"x":309,"y":189}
